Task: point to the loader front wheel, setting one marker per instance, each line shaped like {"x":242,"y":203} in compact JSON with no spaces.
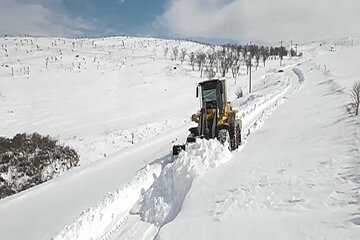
{"x":223,"y":137}
{"x":235,"y":136}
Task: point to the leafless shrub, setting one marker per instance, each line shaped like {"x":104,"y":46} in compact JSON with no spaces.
{"x":239,"y":92}
{"x":211,"y":55}
{"x":166,"y":50}
{"x":28,"y":160}
{"x":200,"y":59}
{"x":210,"y":73}
{"x":175,"y":52}
{"x":355,"y":97}
{"x":192,"y":59}
{"x":182,"y":55}
{"x":257,"y":58}
{"x":225,"y":58}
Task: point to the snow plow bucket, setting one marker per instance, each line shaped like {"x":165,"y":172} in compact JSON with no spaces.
{"x":177,"y":149}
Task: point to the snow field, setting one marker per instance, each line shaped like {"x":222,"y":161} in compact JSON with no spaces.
{"x":93,"y":92}
{"x":163,"y":200}
{"x":296,"y":176}
{"x":155,"y":194}
{"x":161,"y":203}
{"x":96,"y":147}
{"x":100,"y":96}
{"x":295,"y":179}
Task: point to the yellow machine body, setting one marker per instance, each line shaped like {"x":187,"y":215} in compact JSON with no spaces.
{"x":216,"y":118}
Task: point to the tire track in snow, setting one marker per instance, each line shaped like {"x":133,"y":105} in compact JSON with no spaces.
{"x":254,"y":115}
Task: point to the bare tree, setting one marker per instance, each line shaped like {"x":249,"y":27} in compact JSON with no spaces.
{"x":248,"y":63}
{"x":200,"y":59}
{"x":192,"y":60}
{"x":182,"y":55}
{"x":239,"y":92}
{"x":166,"y":50}
{"x":264,"y":54}
{"x":225,"y":59}
{"x":355,"y":97}
{"x":175,"y":52}
{"x":235,"y":71}
{"x":257,"y":58}
{"x":244,"y":54}
{"x":211,"y":57}
{"x":226,"y":65}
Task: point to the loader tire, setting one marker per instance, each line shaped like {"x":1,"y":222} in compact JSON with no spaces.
{"x":223,"y":136}
{"x":235,"y":136}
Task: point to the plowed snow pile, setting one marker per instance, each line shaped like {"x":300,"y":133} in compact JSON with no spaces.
{"x":163,"y":200}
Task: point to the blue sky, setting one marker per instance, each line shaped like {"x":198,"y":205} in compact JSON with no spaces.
{"x":242,"y":21}
{"x":82,"y":17}
{"x":117,"y":16}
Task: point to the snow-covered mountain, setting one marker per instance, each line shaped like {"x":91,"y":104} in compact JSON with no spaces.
{"x":122,"y":103}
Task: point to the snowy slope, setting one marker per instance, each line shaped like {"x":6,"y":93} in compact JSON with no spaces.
{"x":100,"y":109}
{"x":296,"y":176}
{"x":98,"y":95}
{"x":163,"y":200}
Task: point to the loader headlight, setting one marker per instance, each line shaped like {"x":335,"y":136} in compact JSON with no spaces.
{"x":195,"y":118}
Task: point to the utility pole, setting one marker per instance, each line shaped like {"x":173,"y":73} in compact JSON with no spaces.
{"x":250,"y":64}
{"x":250,"y":77}
{"x":280,"y":52}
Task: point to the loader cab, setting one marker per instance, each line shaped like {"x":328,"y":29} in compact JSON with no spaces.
{"x":213,"y":94}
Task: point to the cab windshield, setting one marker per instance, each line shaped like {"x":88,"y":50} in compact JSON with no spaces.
{"x":209,"y":96}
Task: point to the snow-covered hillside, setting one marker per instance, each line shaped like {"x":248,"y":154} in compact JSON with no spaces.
{"x":298,"y":176}
{"x":122,"y":104}
{"x":98,"y":95}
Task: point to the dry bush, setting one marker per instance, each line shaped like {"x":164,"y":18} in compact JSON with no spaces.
{"x":239,"y":92}
{"x":28,"y":160}
{"x":355,"y":97}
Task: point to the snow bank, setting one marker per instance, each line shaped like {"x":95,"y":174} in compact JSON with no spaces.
{"x":93,"y":222}
{"x":163,"y":200}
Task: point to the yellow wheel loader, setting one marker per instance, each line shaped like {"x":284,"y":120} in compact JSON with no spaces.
{"x":216,"y":118}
